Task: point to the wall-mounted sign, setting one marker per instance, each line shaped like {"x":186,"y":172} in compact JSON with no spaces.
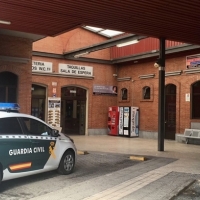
{"x":193,"y":61}
{"x":54,"y":90}
{"x":54,"y":83}
{"x":76,"y":70}
{"x":105,"y":90}
{"x":187,"y":97}
{"x":73,"y":91}
{"x":40,"y":66}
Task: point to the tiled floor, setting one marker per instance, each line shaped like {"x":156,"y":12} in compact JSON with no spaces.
{"x":155,"y":182}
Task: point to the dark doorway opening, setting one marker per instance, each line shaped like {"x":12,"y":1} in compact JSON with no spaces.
{"x":8,"y":87}
{"x":195,"y":100}
{"x":170,"y":111}
{"x":38,"y":101}
{"x":73,"y":110}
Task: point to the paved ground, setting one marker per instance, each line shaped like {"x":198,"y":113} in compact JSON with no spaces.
{"x":191,"y":192}
{"x":108,"y":173}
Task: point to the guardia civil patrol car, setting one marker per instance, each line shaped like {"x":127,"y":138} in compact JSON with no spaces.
{"x":29,"y":146}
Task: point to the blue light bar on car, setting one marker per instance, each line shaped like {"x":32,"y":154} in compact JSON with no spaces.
{"x":9,"y":106}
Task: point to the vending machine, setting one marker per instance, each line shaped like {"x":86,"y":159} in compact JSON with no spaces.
{"x":113,"y":120}
{"x":129,"y":121}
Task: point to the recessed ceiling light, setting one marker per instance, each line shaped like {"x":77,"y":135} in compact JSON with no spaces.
{"x":127,"y":43}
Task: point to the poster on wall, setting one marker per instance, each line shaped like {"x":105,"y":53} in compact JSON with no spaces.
{"x":54,"y":105}
{"x":193,"y":61}
{"x":105,"y":90}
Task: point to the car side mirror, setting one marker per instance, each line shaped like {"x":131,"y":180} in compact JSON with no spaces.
{"x":55,"y":133}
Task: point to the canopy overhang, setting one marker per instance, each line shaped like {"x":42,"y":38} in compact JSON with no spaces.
{"x":173,"y":20}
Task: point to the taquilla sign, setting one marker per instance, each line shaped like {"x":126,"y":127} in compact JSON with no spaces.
{"x":76,"y":70}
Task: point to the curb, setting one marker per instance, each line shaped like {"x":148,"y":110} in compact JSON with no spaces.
{"x":186,"y":185}
{"x":139,"y":158}
{"x":79,"y":152}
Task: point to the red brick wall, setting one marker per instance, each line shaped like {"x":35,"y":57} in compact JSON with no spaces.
{"x":75,"y":39}
{"x":149,"y":108}
{"x":97,"y":105}
{"x":103,"y":74}
{"x":21,"y":48}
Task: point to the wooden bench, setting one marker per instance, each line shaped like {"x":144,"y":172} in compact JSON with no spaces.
{"x":191,"y":134}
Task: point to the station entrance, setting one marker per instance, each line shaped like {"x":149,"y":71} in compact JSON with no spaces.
{"x":73,"y":110}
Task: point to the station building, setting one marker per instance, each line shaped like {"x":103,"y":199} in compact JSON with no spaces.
{"x":44,"y":75}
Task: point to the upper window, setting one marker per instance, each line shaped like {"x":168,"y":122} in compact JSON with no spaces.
{"x":35,"y":127}
{"x":124,"y":94}
{"x":195,"y":93}
{"x":10,"y":126}
{"x":146,"y":92}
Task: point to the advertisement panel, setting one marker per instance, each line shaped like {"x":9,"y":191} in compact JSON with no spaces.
{"x":121,"y":120}
{"x":134,"y":122}
{"x":193,"y":61}
{"x":126,"y":117}
{"x":54,"y":104}
{"x":105,"y":90}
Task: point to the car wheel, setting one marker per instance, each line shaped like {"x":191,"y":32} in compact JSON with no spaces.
{"x":67,"y":162}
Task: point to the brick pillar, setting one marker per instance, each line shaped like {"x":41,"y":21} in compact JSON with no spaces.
{"x":15,"y":57}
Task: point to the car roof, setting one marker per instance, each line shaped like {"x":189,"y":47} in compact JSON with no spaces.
{"x":4,"y":114}
{"x":12,"y":114}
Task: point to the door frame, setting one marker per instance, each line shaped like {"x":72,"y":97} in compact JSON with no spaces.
{"x":172,"y":136}
{"x":87,"y":104}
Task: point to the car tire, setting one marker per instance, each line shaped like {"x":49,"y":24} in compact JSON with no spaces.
{"x":67,"y":163}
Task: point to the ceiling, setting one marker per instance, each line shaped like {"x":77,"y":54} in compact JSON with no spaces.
{"x":173,"y":20}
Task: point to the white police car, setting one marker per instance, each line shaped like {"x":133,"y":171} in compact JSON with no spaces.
{"x":29,"y":146}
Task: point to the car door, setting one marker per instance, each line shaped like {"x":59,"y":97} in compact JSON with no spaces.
{"x":15,"y":148}
{"x":41,"y":140}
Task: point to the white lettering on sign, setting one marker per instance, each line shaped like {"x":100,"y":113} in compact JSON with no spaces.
{"x":40,"y":66}
{"x":15,"y":152}
{"x":38,"y":149}
{"x":77,"y":70}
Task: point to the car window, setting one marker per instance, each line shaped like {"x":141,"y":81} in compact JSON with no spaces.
{"x":10,"y":126}
{"x":34,"y":127}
